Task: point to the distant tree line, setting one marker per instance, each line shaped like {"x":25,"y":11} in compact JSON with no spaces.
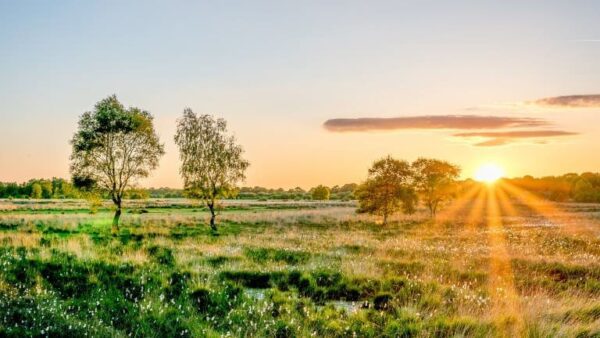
{"x":344,"y":192}
{"x":337,"y":192}
{"x":59,"y":188}
{"x":582,"y":188}
{"x":39,"y":188}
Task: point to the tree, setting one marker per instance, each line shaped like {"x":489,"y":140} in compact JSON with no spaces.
{"x":36,"y":191}
{"x":584,"y":192}
{"x":66,"y":189}
{"x":113,"y":147}
{"x":11,"y":190}
{"x":435,"y":182}
{"x":47,"y":189}
{"x":320,"y":193}
{"x":211,"y":161}
{"x":387,"y":189}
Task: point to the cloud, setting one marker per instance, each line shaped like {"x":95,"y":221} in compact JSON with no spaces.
{"x":493,"y":142}
{"x":570,"y":101}
{"x":506,"y":137}
{"x":518,"y":134}
{"x":431,"y":122}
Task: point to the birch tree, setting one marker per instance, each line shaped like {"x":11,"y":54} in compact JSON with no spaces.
{"x":211,"y":160}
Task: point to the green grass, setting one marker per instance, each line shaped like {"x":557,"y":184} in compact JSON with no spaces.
{"x":289,"y":272}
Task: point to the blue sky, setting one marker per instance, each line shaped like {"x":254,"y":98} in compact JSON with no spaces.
{"x":278,"y":70}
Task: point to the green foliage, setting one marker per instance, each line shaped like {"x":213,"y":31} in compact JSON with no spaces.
{"x":112,"y":148}
{"x":584,"y":188}
{"x":584,"y":191}
{"x":249,"y":279}
{"x":39,"y":188}
{"x":387,"y":189}
{"x":36,"y":191}
{"x":136,"y":194}
{"x":283,"y":330}
{"x":435,"y":182}
{"x":401,"y":330}
{"x":382,"y":301}
{"x":460,"y":327}
{"x":211,"y":161}
{"x":161,"y":255}
{"x":586,"y":315}
{"x":556,"y":278}
{"x":217,"y":303}
{"x":217,"y":261}
{"x":63,"y":276}
{"x":40,"y":316}
{"x":320,"y":193}
{"x":262,"y":255}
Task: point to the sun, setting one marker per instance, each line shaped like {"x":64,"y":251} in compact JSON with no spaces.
{"x":489,"y":173}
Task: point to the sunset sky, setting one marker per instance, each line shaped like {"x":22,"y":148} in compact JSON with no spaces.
{"x":315,"y":91}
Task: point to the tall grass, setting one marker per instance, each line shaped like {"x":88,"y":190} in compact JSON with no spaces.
{"x":311,"y":270}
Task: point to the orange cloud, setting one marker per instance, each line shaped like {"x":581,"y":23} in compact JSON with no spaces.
{"x":506,"y":137}
{"x":571,"y":101}
{"x":493,"y":142}
{"x":431,"y":122}
{"x":518,"y":134}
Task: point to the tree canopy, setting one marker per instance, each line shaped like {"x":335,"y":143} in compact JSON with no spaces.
{"x":211,"y":160}
{"x":320,"y":193}
{"x":388,"y":189}
{"x":112,"y":148}
{"x":435,"y":181}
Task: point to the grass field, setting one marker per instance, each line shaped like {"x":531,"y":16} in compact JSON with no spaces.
{"x":486,"y":267}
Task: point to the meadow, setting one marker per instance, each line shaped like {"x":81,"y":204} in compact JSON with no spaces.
{"x":299,"y":269}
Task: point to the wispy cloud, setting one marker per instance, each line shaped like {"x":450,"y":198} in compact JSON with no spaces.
{"x":571,"y":101}
{"x":586,"y":40}
{"x":493,"y":142}
{"x":506,"y":137}
{"x":518,"y":133}
{"x":458,"y":122}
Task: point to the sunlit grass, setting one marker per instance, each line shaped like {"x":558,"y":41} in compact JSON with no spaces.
{"x":484,"y":268}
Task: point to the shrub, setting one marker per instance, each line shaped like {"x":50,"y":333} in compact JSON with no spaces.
{"x":161,"y":255}
{"x":217,"y":261}
{"x":283,"y":330}
{"x":261,"y":255}
{"x":401,"y":329}
{"x":177,"y":284}
{"x":201,"y":298}
{"x":217,"y":303}
{"x":382,"y":301}
{"x":250,"y":279}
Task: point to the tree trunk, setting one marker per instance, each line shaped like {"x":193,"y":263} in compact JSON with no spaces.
{"x":115,"y":224}
{"x":385,"y":217}
{"x":213,"y":225}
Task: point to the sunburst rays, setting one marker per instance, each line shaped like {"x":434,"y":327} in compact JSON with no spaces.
{"x":567,"y":221}
{"x":489,"y":207}
{"x":505,"y":298}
